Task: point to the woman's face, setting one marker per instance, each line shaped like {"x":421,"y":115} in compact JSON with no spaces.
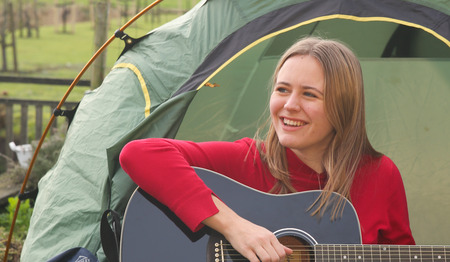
{"x":297,"y":107}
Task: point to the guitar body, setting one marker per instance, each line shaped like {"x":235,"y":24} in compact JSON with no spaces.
{"x":151,"y":232}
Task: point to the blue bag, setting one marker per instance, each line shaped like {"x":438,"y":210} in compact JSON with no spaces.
{"x":77,"y":254}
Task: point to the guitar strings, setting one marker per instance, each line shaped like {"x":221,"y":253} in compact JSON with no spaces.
{"x":375,"y":252}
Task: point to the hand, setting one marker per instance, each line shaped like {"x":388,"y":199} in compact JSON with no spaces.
{"x":255,"y":242}
{"x":252,"y":241}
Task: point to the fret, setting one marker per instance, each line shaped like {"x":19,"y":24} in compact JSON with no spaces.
{"x":379,"y":255}
{"x":338,"y":251}
{"x":351,"y":251}
{"x":371,"y":253}
{"x":414,"y":254}
{"x":319,"y":253}
{"x":323,"y":253}
{"x":332,"y":251}
{"x":394,"y":253}
{"x":438,"y":254}
{"x":345,"y":254}
{"x":359,"y":253}
{"x":427,"y":253}
{"x":385,"y":253}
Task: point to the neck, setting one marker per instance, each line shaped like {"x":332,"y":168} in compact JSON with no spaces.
{"x":311,"y":159}
{"x":369,"y":253}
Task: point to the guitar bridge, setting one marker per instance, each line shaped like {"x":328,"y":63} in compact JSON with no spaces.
{"x":220,"y":250}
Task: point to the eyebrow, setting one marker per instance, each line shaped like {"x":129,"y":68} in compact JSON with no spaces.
{"x":313,"y":88}
{"x":305,"y":87}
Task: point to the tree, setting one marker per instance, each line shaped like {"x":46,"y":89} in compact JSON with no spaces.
{"x":100,"y":15}
{"x":7,"y":29}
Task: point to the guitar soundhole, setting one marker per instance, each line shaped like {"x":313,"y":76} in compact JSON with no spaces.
{"x":302,"y":250}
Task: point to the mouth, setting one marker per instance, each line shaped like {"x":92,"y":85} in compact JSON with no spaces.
{"x":295,"y":123}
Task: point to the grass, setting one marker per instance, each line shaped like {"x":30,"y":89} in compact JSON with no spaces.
{"x":40,"y":92}
{"x":57,"y":55}
{"x":62,"y":55}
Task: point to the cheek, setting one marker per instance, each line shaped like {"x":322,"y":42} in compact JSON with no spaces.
{"x":275,"y":104}
{"x":325,"y":123}
{"x":318,"y":113}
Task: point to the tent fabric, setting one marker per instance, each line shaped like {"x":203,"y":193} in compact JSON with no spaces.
{"x":205,"y":76}
{"x":264,"y":26}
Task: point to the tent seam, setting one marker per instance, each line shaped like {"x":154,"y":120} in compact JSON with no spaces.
{"x":138,"y":74}
{"x":317,"y":19}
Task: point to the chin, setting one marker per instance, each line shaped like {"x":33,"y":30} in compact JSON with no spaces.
{"x":288,"y":143}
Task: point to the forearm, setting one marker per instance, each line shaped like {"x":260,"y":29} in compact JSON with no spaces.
{"x":252,"y":241}
{"x":162,"y":170}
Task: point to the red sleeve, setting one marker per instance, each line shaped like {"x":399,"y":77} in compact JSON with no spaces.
{"x":162,"y":167}
{"x":379,"y":198}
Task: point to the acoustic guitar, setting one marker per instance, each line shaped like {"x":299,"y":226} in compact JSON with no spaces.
{"x":152,"y":233}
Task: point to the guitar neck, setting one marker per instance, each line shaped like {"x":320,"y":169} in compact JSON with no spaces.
{"x":391,"y":253}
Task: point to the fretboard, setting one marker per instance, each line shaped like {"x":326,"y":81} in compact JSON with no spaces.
{"x":390,"y":253}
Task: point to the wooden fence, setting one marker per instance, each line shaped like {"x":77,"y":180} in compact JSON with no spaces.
{"x":25,"y":105}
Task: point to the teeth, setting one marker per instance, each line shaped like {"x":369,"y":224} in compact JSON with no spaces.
{"x":293,"y":123}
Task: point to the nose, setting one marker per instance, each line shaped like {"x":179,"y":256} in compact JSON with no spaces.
{"x":292,"y":104}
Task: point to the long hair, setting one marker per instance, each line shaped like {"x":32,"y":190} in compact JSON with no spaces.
{"x":344,"y":107}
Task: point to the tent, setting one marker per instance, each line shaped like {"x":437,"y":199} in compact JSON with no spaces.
{"x":205,"y":76}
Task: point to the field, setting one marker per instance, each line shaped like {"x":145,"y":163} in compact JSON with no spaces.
{"x":62,"y":55}
{"x":55,"y":54}
{"x":58,"y":54}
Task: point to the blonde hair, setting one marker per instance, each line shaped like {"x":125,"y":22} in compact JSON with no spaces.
{"x":344,"y":107}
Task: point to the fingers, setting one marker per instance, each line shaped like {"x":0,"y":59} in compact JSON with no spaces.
{"x":267,"y":250}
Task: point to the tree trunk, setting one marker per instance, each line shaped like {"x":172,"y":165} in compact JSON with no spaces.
{"x":20,"y":15}
{"x":36,"y":17}
{"x":101,"y":8}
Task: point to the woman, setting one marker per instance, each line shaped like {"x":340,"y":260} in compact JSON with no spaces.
{"x":316,"y":140}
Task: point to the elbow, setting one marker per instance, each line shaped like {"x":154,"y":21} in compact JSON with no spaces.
{"x":130,"y":157}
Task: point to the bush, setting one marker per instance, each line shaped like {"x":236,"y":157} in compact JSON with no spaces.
{"x":23,"y":217}
{"x":14,"y":176}
{"x":20,"y":230}
{"x":47,"y":157}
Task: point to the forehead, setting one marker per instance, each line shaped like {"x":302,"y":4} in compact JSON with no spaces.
{"x":303,"y":70}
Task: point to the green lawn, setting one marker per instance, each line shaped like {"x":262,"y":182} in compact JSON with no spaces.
{"x":63,"y":55}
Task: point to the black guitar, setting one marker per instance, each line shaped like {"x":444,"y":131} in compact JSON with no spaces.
{"x":151,"y":232}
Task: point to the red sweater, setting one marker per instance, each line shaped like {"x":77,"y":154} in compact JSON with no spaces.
{"x":162,"y":167}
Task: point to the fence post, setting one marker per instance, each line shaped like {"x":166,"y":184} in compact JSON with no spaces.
{"x":38,"y":127}
{"x":9,"y":128}
{"x":24,"y":124}
{"x":24,"y":107}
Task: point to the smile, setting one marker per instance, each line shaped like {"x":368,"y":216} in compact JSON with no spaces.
{"x":288,"y":122}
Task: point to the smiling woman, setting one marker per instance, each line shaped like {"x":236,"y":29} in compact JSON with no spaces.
{"x":304,"y":150}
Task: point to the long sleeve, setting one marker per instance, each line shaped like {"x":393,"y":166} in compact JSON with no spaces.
{"x":379,"y":198}
{"x":162,"y":167}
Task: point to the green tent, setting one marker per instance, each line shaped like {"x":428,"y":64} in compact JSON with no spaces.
{"x":205,"y":76}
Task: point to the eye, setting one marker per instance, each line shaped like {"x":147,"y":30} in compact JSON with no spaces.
{"x":309,"y":94}
{"x":280,"y":89}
